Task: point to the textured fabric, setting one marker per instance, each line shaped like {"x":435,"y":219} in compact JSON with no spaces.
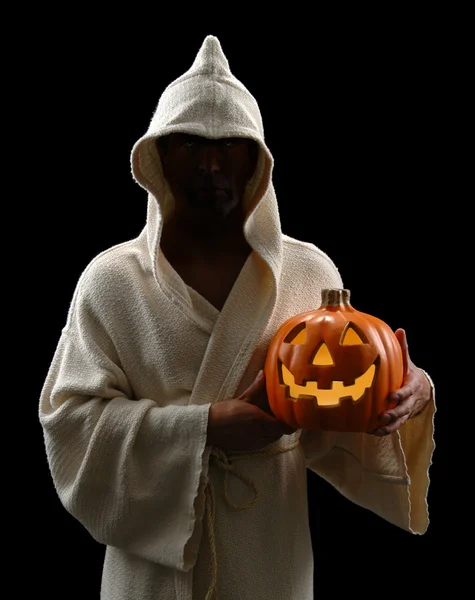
{"x":142,"y":357}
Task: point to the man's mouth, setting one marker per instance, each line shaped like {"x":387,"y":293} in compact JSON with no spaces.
{"x":210,"y":190}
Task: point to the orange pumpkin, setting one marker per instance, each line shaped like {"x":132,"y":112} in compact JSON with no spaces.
{"x":332,"y":368}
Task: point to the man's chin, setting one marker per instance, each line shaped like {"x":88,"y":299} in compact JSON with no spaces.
{"x":212,"y":218}
{"x":213,"y":205}
{"x":210,"y":197}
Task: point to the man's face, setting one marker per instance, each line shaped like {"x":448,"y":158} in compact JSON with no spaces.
{"x":207,"y":177}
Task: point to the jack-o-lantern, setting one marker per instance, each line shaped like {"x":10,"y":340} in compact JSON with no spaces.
{"x":332,"y":368}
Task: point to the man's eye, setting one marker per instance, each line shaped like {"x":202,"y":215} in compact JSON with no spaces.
{"x":188,"y":144}
{"x":230,"y":143}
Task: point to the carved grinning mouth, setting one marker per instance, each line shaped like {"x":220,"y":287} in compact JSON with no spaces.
{"x":332,"y":396}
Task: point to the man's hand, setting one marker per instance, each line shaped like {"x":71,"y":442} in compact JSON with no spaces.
{"x":411,"y":398}
{"x":242,"y":424}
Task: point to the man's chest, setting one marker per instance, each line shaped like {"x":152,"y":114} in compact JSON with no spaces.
{"x":213,"y":280}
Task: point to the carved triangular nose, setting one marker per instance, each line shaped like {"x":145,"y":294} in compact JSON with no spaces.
{"x":323,"y":356}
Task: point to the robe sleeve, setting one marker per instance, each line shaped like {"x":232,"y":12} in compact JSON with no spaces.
{"x":131,"y":472}
{"x":388,"y":475}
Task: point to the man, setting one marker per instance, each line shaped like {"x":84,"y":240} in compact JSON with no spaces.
{"x":158,"y":432}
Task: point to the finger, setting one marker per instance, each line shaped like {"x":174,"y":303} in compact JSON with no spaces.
{"x":402,"y":409}
{"x":284,"y":428}
{"x":288,"y":430}
{"x":385,"y":418}
{"x":403,"y":393}
{"x":402,"y":339}
{"x":404,"y":400}
{"x":273,"y":426}
{"x":391,"y":427}
{"x":258,"y":385}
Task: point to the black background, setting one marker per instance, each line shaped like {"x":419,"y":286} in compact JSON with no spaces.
{"x":349,"y":117}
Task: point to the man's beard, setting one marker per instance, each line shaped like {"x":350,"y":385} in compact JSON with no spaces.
{"x":210,"y":204}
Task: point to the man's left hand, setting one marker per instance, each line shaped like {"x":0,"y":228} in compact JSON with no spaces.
{"x":411,"y":398}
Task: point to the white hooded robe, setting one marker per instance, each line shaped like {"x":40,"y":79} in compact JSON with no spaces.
{"x":142,"y":357}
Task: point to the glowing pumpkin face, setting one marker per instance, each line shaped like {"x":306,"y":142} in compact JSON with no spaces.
{"x":333,"y":368}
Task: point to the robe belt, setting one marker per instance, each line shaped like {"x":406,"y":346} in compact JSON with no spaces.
{"x":224,"y":461}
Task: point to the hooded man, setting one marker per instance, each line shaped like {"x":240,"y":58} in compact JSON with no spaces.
{"x":157,"y":431}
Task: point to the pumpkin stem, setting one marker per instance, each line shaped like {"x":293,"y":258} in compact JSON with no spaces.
{"x":335,"y":297}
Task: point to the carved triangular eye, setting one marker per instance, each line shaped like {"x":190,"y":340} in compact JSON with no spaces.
{"x":298,"y":335}
{"x":323,"y":356}
{"x":351,"y":337}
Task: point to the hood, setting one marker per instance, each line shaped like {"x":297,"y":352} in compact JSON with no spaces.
{"x":209,"y":101}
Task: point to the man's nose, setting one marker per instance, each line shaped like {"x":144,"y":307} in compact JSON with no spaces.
{"x":210,"y":159}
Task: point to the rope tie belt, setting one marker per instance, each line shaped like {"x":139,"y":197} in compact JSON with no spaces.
{"x":224,"y":461}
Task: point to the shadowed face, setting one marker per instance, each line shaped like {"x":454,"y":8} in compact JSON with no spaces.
{"x":207,"y":176}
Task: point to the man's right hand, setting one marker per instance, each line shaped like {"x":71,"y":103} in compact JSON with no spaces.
{"x":242,"y":424}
